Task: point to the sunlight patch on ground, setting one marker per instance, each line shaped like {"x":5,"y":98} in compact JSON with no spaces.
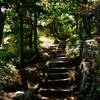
{"x":46,"y":42}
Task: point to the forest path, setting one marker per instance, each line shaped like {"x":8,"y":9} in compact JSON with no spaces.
{"x":58,"y":78}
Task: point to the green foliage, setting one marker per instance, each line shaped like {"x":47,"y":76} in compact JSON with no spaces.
{"x":7,"y":57}
{"x":54,"y":18}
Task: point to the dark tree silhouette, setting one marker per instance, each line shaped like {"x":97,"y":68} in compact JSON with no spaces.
{"x":2,"y":19}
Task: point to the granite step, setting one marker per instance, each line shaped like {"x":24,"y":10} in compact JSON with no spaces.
{"x":53,"y":85}
{"x":74,"y":87}
{"x":54,"y":76}
{"x":56,"y":83}
{"x":61,"y":58}
{"x":72,"y":97}
{"x":59,"y":69}
{"x":56,"y":63}
{"x":49,"y":92}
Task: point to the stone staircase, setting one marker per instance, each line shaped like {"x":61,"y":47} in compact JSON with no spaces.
{"x":57,"y":83}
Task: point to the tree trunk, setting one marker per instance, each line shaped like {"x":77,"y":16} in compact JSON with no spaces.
{"x":86,"y":29}
{"x":22,"y":67}
{"x":89,"y":26}
{"x":77,"y":25}
{"x":98,"y":22}
{"x":79,"y":31}
{"x":2,"y":19}
{"x":21,"y":39}
{"x":56,"y":27}
{"x":81,"y":35}
{"x":35,"y":34}
{"x":86,"y":22}
{"x":31,"y":31}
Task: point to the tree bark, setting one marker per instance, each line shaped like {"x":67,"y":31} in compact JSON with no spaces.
{"x":31,"y":31}
{"x":89,"y":26}
{"x":2,"y":19}
{"x":35,"y":34}
{"x":22,"y":67}
{"x":98,"y":22}
{"x":86,"y":21}
{"x":21,"y":40}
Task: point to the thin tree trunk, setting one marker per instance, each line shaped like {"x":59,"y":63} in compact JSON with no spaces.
{"x":77,"y":25}
{"x":78,"y":31}
{"x":85,"y":24}
{"x":84,"y":35}
{"x":21,"y":39}
{"x":31,"y":31}
{"x":98,"y":22}
{"x":22,"y":67}
{"x":89,"y":25}
{"x":81,"y":37}
{"x":35,"y":34}
{"x":2,"y":19}
{"x":56,"y":30}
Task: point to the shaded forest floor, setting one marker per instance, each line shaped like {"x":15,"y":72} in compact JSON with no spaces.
{"x":92,"y":81}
